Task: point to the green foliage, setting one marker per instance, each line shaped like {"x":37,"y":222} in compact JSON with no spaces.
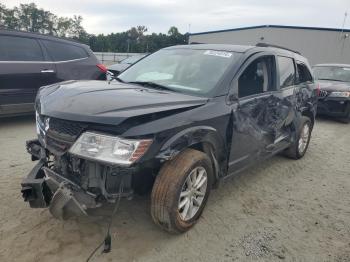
{"x":28,"y":17}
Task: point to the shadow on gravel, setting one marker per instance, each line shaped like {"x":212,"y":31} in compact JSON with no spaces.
{"x":17,"y":120}
{"x":328,"y":119}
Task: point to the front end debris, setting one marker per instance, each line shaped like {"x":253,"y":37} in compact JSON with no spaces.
{"x":70,"y":186}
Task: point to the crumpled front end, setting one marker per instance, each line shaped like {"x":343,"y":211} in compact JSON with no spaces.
{"x":67,"y":184}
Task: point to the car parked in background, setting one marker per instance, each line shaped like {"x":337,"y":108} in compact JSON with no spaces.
{"x":116,"y":69}
{"x":177,"y":122}
{"x":334,"y":94}
{"x":29,"y":61}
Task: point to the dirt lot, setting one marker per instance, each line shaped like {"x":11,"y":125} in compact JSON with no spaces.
{"x":281,"y":210}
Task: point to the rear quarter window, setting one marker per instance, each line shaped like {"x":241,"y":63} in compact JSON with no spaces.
{"x":64,"y":52}
{"x":304,"y":75}
{"x":287,"y":71}
{"x":14,"y":48}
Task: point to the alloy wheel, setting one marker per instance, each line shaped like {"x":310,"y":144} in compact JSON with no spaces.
{"x":304,"y":138}
{"x":193,"y":193}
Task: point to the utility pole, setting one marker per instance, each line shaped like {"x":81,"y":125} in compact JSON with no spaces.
{"x":189,"y":32}
{"x":128,"y":40}
{"x":342,"y":36}
{"x":344,"y":21}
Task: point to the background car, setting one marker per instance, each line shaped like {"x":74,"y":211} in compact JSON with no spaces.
{"x":29,"y":61}
{"x":334,"y":95}
{"x":116,"y":69}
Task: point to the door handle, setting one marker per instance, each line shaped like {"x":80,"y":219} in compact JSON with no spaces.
{"x":47,"y":71}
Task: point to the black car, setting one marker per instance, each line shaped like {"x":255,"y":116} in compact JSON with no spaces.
{"x":177,"y":122}
{"x":29,"y":61}
{"x":116,"y":69}
{"x":334,"y":94}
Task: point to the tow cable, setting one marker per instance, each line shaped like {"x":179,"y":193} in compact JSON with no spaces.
{"x":107,"y":242}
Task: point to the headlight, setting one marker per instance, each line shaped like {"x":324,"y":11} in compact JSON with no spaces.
{"x":110,"y":149}
{"x":340,"y":94}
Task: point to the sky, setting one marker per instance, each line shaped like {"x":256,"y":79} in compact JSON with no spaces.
{"x":107,"y":16}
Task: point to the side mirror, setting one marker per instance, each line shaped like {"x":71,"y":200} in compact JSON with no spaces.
{"x":233,"y":97}
{"x":109,"y":76}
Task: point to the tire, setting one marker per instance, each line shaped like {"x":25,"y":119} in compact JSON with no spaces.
{"x":294,"y":151}
{"x":173,"y":179}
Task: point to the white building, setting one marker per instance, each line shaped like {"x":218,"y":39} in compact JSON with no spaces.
{"x":319,"y":45}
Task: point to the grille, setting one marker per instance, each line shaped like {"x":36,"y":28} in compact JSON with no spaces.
{"x":58,"y":135}
{"x":323,"y":93}
{"x":65,"y":127}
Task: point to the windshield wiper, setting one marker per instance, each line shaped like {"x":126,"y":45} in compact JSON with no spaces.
{"x":118,"y":79}
{"x":330,"y":79}
{"x":150,"y":84}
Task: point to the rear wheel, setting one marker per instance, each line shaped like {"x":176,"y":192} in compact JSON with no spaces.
{"x":181,"y":190}
{"x":298,"y":149}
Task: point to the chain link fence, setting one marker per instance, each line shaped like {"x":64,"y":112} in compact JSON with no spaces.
{"x":108,"y":58}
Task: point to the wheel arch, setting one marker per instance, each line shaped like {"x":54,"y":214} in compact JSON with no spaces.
{"x":308,"y":113}
{"x":202,"y":138}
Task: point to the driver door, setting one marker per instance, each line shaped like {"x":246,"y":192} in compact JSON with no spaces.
{"x":259,"y":115}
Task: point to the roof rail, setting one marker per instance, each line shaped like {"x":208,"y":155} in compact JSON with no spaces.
{"x":276,"y":46}
{"x":196,"y":43}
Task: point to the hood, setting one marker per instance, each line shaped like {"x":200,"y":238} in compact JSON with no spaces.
{"x":108,"y":103}
{"x":118,"y":67}
{"x":328,"y":85}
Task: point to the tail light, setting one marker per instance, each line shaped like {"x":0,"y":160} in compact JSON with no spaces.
{"x":102,"y":67}
{"x":318,"y":89}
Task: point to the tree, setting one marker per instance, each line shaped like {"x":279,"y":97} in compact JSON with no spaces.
{"x":28,"y":17}
{"x":173,"y":31}
{"x":2,"y":14}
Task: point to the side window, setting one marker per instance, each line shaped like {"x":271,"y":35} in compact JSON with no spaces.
{"x":13,"y":48}
{"x":258,"y":77}
{"x":304,"y":74}
{"x":64,"y":52}
{"x":287,"y":71}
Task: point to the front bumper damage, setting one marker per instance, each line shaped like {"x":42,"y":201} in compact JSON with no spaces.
{"x":46,"y":188}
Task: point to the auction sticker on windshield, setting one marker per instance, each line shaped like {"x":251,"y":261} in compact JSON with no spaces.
{"x":218,"y":53}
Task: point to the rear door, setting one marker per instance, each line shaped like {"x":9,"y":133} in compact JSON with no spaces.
{"x":288,"y":90}
{"x":23,"y":70}
{"x":73,"y":61}
{"x":305,"y":90}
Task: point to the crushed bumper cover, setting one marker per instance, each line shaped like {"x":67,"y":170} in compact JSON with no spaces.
{"x":34,"y":189}
{"x":44,"y":188}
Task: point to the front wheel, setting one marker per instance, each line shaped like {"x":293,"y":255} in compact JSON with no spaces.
{"x":181,"y":190}
{"x":298,"y":149}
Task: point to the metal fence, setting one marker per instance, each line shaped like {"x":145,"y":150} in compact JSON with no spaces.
{"x":111,"y":58}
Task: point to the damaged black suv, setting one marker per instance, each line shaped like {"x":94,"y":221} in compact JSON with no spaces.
{"x":175,"y":124}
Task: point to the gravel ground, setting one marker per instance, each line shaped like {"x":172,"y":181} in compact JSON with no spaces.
{"x":281,"y":210}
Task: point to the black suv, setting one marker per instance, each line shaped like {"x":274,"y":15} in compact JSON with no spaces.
{"x":29,"y":61}
{"x":176,"y":123}
{"x":334,"y":94}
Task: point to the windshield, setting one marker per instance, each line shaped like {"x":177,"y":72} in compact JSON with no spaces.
{"x":332,"y":73}
{"x":182,"y":70}
{"x":132,"y":59}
